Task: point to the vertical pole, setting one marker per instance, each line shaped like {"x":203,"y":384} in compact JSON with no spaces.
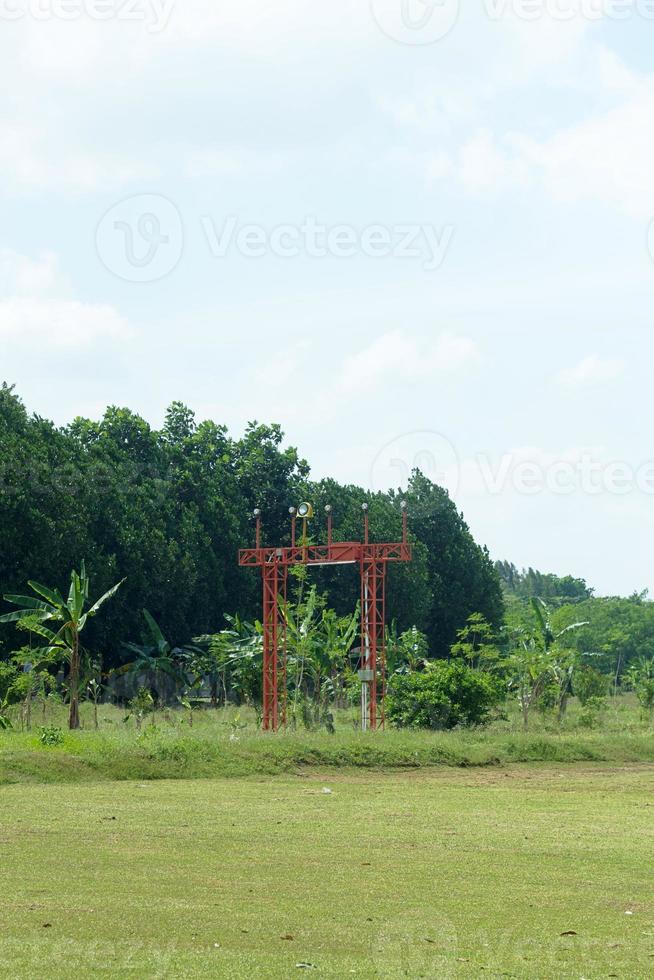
{"x":373,"y":643}
{"x":329,"y":528}
{"x":363,"y":663}
{"x":258,"y":531}
{"x":270,"y":645}
{"x":372,"y":630}
{"x":285,"y":646}
{"x":382,"y":640}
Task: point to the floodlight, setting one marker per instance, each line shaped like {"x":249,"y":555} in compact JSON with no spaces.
{"x":305,"y":511}
{"x":404,"y":505}
{"x":364,"y":507}
{"x":328,"y":509}
{"x":257,"y":512}
{"x":292,"y":511}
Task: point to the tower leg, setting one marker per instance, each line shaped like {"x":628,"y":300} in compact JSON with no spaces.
{"x":373,"y":649}
{"x":274,"y":579}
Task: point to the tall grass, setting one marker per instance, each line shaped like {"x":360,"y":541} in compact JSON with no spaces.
{"x":227,"y":743}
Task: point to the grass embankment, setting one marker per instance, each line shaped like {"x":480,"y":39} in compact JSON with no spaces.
{"x":216,"y":746}
{"x":528,"y":873}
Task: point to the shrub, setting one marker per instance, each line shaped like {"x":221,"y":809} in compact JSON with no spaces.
{"x":591,"y":714}
{"x":588,"y":683}
{"x":51,"y":735}
{"x":443,"y":696}
{"x":8,"y":675}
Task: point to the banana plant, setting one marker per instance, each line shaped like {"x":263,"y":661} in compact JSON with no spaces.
{"x":50,"y":606}
{"x":156,"y":654}
{"x":229,"y":657}
{"x":549,"y":635}
{"x":563,"y":660}
{"x":336,"y":639}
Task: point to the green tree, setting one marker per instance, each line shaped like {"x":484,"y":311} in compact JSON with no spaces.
{"x":462,"y":579}
{"x":476,"y":643}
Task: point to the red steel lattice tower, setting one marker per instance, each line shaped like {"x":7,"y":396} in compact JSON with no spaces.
{"x":373,"y":560}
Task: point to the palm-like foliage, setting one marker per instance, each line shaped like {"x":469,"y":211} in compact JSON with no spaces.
{"x":64,"y":644}
{"x":549,"y":635}
{"x":539,"y":659}
{"x":156,"y":654}
{"x":231,"y":658}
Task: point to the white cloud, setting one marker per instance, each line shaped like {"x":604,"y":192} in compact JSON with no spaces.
{"x":591,"y":370}
{"x":240,"y":162}
{"x":399,"y":356}
{"x":37,"y":312}
{"x":485,"y":166}
{"x":20,"y":274}
{"x":609,"y":157}
{"x":32,"y":160}
{"x":59,"y":323}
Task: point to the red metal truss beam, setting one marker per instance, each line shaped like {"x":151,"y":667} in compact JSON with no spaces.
{"x":338,"y":553}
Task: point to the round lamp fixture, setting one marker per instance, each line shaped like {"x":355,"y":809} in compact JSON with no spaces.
{"x":305,"y":511}
{"x":257,"y":512}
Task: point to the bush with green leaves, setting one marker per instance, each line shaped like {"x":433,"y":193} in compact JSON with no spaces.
{"x":592,"y":712}
{"x":142,"y":704}
{"x":8,"y":675}
{"x":587,"y":683}
{"x":51,"y":735}
{"x":443,"y":696}
{"x":641,"y":677}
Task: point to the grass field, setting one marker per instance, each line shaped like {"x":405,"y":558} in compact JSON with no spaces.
{"x":518,"y":872}
{"x":227,"y":743}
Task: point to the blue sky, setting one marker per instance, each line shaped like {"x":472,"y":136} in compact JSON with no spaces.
{"x":405,"y":243}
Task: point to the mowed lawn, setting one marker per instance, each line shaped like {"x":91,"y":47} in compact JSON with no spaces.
{"x":520,"y":872}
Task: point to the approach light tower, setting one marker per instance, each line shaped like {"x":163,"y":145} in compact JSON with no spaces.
{"x":373,"y":560}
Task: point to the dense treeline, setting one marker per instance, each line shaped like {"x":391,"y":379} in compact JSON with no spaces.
{"x":168,"y":509}
{"x":616,"y":631}
{"x":530,"y":583}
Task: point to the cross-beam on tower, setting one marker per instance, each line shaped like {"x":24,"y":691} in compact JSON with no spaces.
{"x":372,"y":559}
